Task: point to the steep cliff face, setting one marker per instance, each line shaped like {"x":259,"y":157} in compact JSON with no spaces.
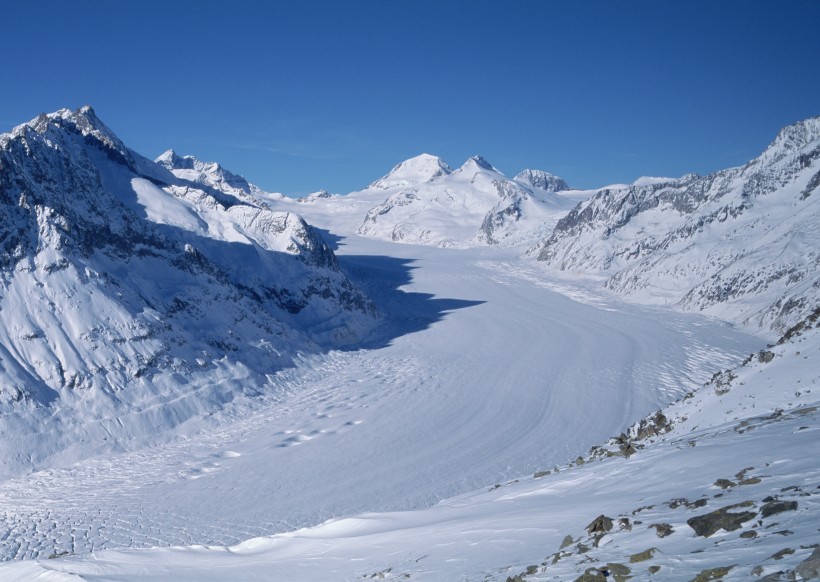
{"x":742,"y":243}
{"x":123,"y":285}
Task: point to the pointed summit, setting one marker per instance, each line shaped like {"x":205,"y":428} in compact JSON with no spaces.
{"x":171,"y":160}
{"x":791,"y":138}
{"x":478,"y":163}
{"x":417,"y":170}
{"x":83,"y":122}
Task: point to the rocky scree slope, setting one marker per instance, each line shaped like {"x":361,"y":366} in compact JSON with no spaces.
{"x":476,"y":205}
{"x":740,"y":453}
{"x":742,"y":243}
{"x":123,"y":286}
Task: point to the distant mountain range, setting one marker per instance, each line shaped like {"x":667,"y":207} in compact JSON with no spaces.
{"x":428,"y":203}
{"x":132,"y":279}
{"x":742,"y":244}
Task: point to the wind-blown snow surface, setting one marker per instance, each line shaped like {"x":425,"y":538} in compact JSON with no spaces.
{"x":453,"y":403}
{"x":742,"y":450}
{"x":484,"y":368}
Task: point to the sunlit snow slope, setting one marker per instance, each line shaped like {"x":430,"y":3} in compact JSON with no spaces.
{"x":423,"y":201}
{"x":396,"y":413}
{"x":723,"y":485}
{"x":443,"y":402}
{"x":742,"y":243}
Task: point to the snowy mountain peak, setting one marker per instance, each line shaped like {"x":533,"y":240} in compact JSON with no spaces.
{"x":791,"y":138}
{"x":478,"y":163}
{"x":118,"y":276}
{"x":207,"y":173}
{"x":171,"y":160}
{"x":416,"y":170}
{"x":542,"y":180}
{"x":740,"y":243}
{"x":83,"y":122}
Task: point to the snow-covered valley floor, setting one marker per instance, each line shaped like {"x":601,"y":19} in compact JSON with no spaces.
{"x":481,"y":373}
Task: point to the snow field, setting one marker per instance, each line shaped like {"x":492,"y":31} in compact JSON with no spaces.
{"x":727,"y":451}
{"x":446,"y":403}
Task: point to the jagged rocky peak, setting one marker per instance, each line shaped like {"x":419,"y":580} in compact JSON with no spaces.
{"x":314,"y":196}
{"x":739,"y":243}
{"x":798,"y":135}
{"x":417,"y":170}
{"x":791,"y":138}
{"x":207,"y":173}
{"x":161,"y":269}
{"x":542,"y":180}
{"x":83,"y":122}
{"x":173,"y":161}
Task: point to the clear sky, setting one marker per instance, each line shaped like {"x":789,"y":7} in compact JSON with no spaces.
{"x":306,"y":95}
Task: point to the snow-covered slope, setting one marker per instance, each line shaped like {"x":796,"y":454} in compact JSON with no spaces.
{"x":132,"y":298}
{"x":428,"y":203}
{"x":412,"y":172}
{"x":492,"y":370}
{"x":721,"y":485}
{"x":210,"y":174}
{"x":743,"y":243}
{"x":136,"y":300}
{"x":542,"y":180}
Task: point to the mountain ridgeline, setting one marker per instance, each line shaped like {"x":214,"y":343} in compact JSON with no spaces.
{"x":127,"y":286}
{"x":138,"y":294}
{"x":476,"y":205}
{"x":742,"y":244}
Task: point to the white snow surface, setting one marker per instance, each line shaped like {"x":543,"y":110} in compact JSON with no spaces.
{"x":412,"y":172}
{"x":448,"y":406}
{"x":757,"y":430}
{"x":423,"y":201}
{"x":210,"y":174}
{"x":741,"y":243}
{"x":134,"y":301}
{"x":410,"y":451}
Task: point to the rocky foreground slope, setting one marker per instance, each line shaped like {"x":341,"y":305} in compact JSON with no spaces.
{"x":134,"y":299}
{"x":742,"y":243}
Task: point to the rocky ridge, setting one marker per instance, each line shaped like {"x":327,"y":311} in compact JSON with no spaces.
{"x":125,"y":285}
{"x":741,"y":243}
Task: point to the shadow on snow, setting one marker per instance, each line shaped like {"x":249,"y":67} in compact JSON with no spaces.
{"x":405,"y":312}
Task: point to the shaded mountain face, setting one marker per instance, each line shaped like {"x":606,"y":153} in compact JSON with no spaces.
{"x":542,"y":180}
{"x":209,"y":174}
{"x":475,"y":205}
{"x":742,"y":243}
{"x":119,"y":279}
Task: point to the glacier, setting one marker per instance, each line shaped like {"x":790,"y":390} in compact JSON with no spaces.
{"x":465,"y":404}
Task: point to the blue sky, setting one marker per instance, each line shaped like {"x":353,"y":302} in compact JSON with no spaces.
{"x":309,"y":95}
